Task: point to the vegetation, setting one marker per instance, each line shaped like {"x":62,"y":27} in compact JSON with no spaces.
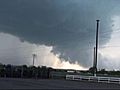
{"x":43,"y":72}
{"x":104,"y":72}
{"x":24,"y":71}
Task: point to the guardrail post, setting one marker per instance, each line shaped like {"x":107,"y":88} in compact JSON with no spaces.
{"x":119,"y":80}
{"x":98,"y":79}
{"x":89,"y":79}
{"x":108,"y":80}
{"x":73,"y":77}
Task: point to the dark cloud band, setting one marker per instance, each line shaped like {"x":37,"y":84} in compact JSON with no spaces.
{"x":67,"y":25}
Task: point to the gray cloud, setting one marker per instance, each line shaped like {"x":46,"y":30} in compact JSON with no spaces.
{"x":67,"y":25}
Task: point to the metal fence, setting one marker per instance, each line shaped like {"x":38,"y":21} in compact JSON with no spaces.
{"x":93,"y":78}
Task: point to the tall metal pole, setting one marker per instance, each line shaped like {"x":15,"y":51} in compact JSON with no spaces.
{"x":34,"y":55}
{"x":94,"y":60}
{"x":34,"y":73}
{"x":96,"y":46}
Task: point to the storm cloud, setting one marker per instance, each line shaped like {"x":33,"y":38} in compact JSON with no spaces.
{"x":66,"y":25}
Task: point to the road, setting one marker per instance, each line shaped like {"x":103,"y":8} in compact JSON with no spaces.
{"x":12,"y":83}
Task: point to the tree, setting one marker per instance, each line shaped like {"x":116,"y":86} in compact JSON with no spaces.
{"x":91,"y":70}
{"x":8,"y":70}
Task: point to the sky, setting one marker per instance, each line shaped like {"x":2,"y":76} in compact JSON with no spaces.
{"x":60,"y":32}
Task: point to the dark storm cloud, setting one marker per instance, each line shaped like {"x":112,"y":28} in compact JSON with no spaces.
{"x":67,"y":25}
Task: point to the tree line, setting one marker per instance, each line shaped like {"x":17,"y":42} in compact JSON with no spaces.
{"x":43,"y":72}
{"x":24,"y":71}
{"x":104,"y":72}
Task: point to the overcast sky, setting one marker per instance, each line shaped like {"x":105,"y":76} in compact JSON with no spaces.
{"x":60,"y":32}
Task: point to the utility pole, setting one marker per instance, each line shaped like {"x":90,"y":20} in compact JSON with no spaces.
{"x":94,"y":57}
{"x":34,"y":55}
{"x":96,"y":51}
{"x":34,"y":73}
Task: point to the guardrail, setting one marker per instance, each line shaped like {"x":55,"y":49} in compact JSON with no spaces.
{"x":93,"y":78}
